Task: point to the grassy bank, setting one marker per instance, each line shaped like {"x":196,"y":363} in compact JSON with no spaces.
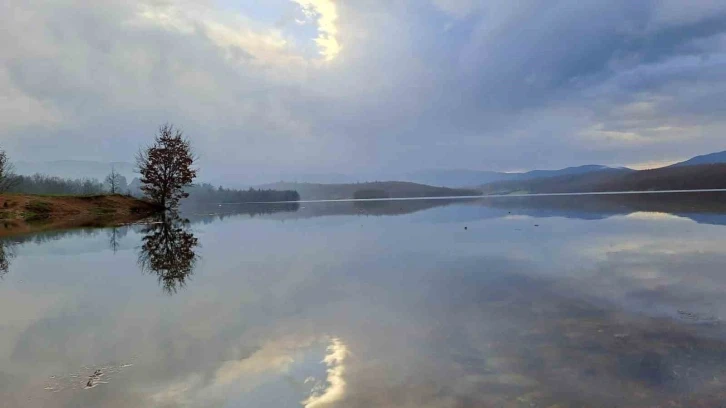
{"x":25,"y":213}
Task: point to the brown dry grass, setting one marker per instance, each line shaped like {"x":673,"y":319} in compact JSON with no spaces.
{"x":21,"y":213}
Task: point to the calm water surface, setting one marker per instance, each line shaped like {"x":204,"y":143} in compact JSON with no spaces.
{"x":513,"y":302}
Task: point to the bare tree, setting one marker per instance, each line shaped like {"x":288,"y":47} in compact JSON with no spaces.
{"x":8,"y":179}
{"x":115,"y":181}
{"x":166,"y":167}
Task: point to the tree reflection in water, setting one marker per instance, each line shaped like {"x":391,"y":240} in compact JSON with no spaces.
{"x":7,"y":253}
{"x":115,"y":234}
{"x":168,"y":251}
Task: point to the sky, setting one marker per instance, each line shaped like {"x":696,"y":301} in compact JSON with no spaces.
{"x":365,"y":86}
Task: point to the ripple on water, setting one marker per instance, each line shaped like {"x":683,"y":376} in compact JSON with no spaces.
{"x":86,"y":378}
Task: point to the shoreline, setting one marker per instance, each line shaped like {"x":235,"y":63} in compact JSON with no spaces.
{"x":474,"y":197}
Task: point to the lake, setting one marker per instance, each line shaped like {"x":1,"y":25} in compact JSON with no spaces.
{"x":613,"y":301}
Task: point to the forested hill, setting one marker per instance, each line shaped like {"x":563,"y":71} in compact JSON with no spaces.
{"x":380,"y":189}
{"x":709,"y":176}
{"x":207,"y":193}
{"x":468,"y":178}
{"x":711,"y":158}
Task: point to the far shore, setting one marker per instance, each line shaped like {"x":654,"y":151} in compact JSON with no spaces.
{"x":24,"y":213}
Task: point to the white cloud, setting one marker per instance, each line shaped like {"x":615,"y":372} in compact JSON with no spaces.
{"x":274,"y":357}
{"x":263,"y":45}
{"x":270,"y":362}
{"x":326,"y":14}
{"x":335,"y":391}
{"x":388,"y":90}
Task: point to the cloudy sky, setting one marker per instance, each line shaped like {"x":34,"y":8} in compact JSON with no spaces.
{"x":362,"y":86}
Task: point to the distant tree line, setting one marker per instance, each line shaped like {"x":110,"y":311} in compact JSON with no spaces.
{"x":207,"y":193}
{"x":367,"y":194}
{"x":7,"y":172}
{"x":167,"y":171}
{"x":116,"y":184}
{"x":43,"y":184}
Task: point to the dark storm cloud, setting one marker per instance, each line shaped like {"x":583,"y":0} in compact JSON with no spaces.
{"x":450,"y":83}
{"x":565,"y":62}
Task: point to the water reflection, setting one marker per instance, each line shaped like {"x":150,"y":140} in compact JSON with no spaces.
{"x":706,"y":208}
{"x":282,"y":211}
{"x":168,"y":251}
{"x":602,"y":304}
{"x":7,"y":253}
{"x":207,"y":213}
{"x":115,"y":234}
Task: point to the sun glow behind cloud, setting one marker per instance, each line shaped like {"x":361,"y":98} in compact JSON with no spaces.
{"x":446,"y":87}
{"x":267,"y":45}
{"x":326,"y":14}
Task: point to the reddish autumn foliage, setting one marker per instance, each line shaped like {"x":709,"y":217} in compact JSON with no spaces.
{"x":167,"y":167}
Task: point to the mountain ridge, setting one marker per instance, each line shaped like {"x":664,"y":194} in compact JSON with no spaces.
{"x":388,"y":189}
{"x":710,"y":158}
{"x":687,"y":177}
{"x":468,"y":178}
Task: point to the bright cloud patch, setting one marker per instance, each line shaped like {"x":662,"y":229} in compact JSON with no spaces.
{"x":326,"y":14}
{"x":266,"y":46}
{"x":485,"y":85}
{"x":335,"y":359}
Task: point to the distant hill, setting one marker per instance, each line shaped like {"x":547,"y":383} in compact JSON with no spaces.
{"x":713,"y":158}
{"x":455,"y":178}
{"x":704,"y":208}
{"x":393,"y":189}
{"x":560,"y":184}
{"x":75,"y":169}
{"x":415,"y":184}
{"x":687,"y":177}
{"x":469,"y":178}
{"x":569,"y":171}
